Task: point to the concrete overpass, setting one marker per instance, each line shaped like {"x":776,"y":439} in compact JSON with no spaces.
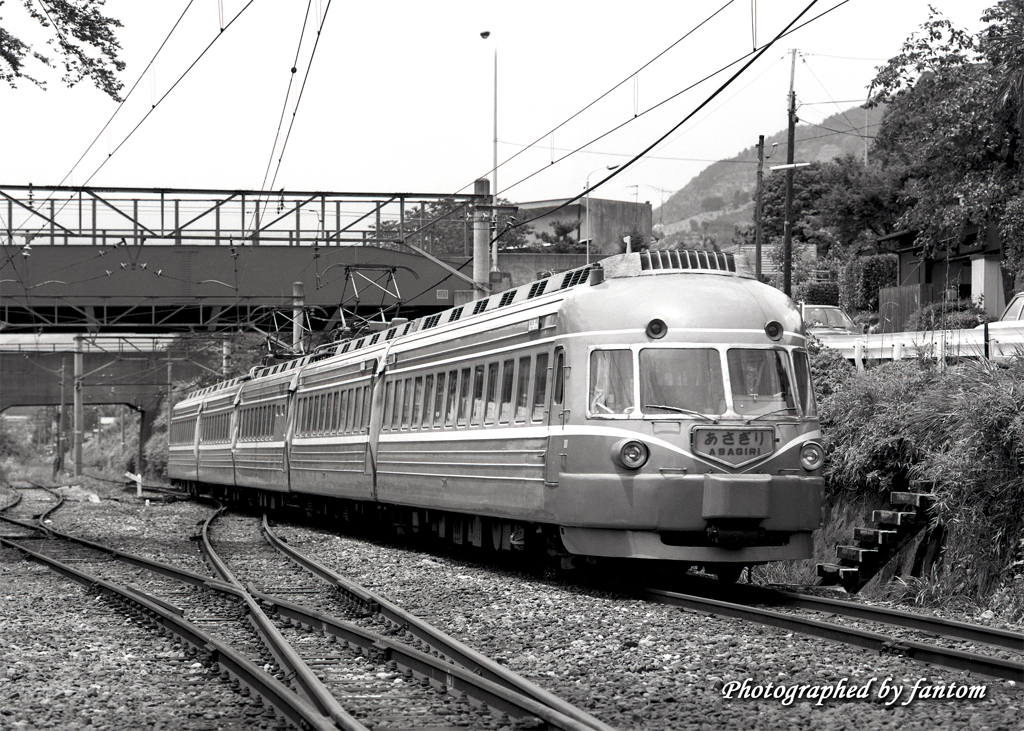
{"x":75,"y":371}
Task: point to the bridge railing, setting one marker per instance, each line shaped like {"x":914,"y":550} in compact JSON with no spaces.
{"x":103,"y":216}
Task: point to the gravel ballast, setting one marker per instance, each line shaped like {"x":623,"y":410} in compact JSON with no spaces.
{"x":69,"y":660}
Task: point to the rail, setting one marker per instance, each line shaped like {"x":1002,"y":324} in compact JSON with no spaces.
{"x":882,"y":644}
{"x":474,"y":666}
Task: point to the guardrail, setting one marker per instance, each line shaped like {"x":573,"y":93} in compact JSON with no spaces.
{"x":995,"y":343}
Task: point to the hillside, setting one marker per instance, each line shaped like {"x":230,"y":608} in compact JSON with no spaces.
{"x":721,"y":196}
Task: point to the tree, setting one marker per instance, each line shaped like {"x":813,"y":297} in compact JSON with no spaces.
{"x":445,"y":228}
{"x":82,"y":36}
{"x":950,"y":132}
{"x":560,"y":239}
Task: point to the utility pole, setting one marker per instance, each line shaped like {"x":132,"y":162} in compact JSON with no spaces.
{"x":758,"y":212}
{"x":58,"y":462}
{"x":787,"y":239}
{"x":79,"y":408}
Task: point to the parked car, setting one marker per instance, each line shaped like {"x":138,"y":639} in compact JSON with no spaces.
{"x":1012,"y":317}
{"x":828,"y":320}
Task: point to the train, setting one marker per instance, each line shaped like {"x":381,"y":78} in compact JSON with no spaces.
{"x":654,"y":405}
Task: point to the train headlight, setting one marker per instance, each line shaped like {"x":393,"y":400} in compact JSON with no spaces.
{"x":656,"y":329}
{"x":812,"y":456}
{"x":774,"y":330}
{"x":630,"y":453}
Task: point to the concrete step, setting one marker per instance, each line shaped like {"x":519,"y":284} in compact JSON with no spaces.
{"x":832,"y":574}
{"x":917,"y":499}
{"x":857,"y":554}
{"x":894,"y":517}
{"x":875,"y":536}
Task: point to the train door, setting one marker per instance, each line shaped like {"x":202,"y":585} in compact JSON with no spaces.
{"x":378,"y":374}
{"x":558,"y":442}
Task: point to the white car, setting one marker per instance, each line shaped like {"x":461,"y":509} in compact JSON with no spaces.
{"x":1012,"y":317}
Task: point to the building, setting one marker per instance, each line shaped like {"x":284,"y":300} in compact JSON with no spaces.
{"x":604,"y":223}
{"x":968,"y":270}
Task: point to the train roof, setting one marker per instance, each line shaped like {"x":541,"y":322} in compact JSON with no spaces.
{"x":635,"y":264}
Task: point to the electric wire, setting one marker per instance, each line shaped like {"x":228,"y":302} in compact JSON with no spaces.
{"x":755,"y":56}
{"x":635,"y":158}
{"x":302,"y":89}
{"x":287,"y":96}
{"x":609,"y":91}
{"x":841,"y":110}
{"x":156,"y":103}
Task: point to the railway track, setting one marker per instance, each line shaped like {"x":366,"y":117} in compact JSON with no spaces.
{"x":394,"y":669}
{"x":340,"y":675}
{"x":974,"y":649}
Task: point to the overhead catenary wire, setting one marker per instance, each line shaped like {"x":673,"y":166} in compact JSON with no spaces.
{"x":156,"y":103}
{"x":627,"y":79}
{"x":298,"y":100}
{"x":753,"y":58}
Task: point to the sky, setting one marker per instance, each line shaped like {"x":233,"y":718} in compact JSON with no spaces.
{"x":399,"y":96}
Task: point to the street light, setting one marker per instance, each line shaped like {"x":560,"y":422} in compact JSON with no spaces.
{"x":494,"y":172}
{"x":586,"y":187}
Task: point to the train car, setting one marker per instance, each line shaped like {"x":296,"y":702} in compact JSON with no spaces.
{"x":657,"y":405}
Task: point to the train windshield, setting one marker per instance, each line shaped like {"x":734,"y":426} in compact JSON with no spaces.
{"x":681,"y":380}
{"x":758,"y":382}
{"x":761,"y":383}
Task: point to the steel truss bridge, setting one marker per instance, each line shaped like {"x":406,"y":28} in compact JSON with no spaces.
{"x":90,"y":259}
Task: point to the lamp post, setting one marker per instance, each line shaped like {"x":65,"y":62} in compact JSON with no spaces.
{"x":494,"y":168}
{"x":586,"y":187}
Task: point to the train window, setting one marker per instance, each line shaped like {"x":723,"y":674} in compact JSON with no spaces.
{"x":396,"y":411}
{"x":336,"y":415}
{"x":357,"y":409}
{"x":611,"y":382}
{"x":802,"y":372}
{"x":343,"y":405}
{"x":428,"y":395}
{"x":364,"y":425}
{"x":677,"y":380}
{"x":464,"y":397}
{"x":523,"y":389}
{"x":508,"y":372}
{"x":450,"y":399}
{"x":407,"y":403}
{"x":492,"y":390}
{"x":477,"y":415}
{"x":352,"y":415}
{"x":417,"y":402}
{"x":559,"y":376}
{"x":439,"y":401}
{"x":389,"y":406}
{"x":540,"y":384}
{"x":760,"y":381}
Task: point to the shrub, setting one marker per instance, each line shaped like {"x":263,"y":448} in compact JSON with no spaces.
{"x":861,"y":279}
{"x":818,"y":293}
{"x":877,"y":272}
{"x":946,"y":315}
{"x":829,"y":369}
{"x":961,"y":430}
